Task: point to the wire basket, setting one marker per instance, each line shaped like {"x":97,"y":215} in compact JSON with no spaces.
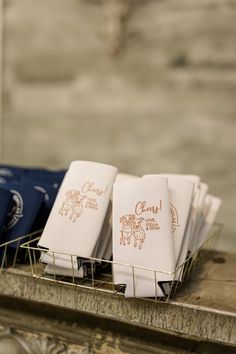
{"x":100,"y":272}
{"x":10,"y":251}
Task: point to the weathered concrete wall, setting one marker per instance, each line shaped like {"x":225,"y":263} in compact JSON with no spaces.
{"x":164,"y":102}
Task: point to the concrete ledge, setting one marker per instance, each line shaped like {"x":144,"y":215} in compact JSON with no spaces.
{"x":197,"y":311}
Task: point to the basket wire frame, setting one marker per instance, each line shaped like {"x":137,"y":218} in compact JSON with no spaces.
{"x":5,"y":261}
{"x":100,"y":275}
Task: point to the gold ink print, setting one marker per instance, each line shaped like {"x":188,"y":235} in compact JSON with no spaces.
{"x":138,"y":233}
{"x":72,"y":205}
{"x":174,"y":217}
{"x":143,"y":207}
{"x":127,"y":228}
{"x":131,"y":228}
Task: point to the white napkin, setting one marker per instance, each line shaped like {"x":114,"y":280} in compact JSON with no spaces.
{"x":59,"y":260}
{"x":108,"y":250}
{"x":50,"y":269}
{"x":103,"y":239}
{"x":103,"y":248}
{"x":180,"y":194}
{"x":108,"y":244}
{"x":142,"y":235}
{"x":203,"y":189}
{"x":212,"y":207}
{"x":124,"y":177}
{"x":191,"y":220}
{"x":77,"y":216}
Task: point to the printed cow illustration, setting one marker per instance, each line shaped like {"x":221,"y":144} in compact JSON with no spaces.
{"x":138,"y":232}
{"x":72,"y":204}
{"x":78,"y":206}
{"x":68,"y":203}
{"x":127,"y":228}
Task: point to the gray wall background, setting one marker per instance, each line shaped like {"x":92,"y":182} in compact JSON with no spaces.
{"x":146,"y":85}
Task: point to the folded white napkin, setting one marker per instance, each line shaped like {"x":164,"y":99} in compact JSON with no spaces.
{"x":157,"y":221}
{"x":180,"y":194}
{"x":212,"y":206}
{"x":203,"y":189}
{"x":142,"y":235}
{"x":77,"y":216}
{"x":124,"y":177}
{"x":59,"y":260}
{"x":50,"y":269}
{"x":108,"y":250}
{"x":103,"y":239}
{"x":191,"y":219}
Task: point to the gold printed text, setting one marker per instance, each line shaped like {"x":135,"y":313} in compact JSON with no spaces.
{"x":142,"y":207}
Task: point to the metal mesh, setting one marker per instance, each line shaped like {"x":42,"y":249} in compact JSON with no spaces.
{"x":100,"y":272}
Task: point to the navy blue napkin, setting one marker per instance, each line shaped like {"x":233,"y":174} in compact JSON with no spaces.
{"x":28,"y":195}
{"x":27,"y":202}
{"x":10,"y":173}
{"x":49,"y":190}
{"x":41,"y":174}
{"x":5,"y":206}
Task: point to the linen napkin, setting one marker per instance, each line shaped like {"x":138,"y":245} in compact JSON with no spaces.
{"x":142,"y":235}
{"x":6,"y":201}
{"x":26,"y":205}
{"x":77,"y":216}
{"x":212,"y":206}
{"x":180,"y":194}
{"x":10,"y":173}
{"x":67,"y":272}
{"x":203,"y":189}
{"x":191,"y":220}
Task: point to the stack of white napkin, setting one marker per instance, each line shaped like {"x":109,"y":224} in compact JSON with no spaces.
{"x":79,"y":223}
{"x":156,"y":223}
{"x":158,"y":220}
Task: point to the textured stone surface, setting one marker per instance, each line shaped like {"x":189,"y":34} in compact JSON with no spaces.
{"x":43,"y":329}
{"x":164,"y":103}
{"x":205,"y":308}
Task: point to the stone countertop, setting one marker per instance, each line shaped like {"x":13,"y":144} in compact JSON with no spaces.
{"x":203,"y":309}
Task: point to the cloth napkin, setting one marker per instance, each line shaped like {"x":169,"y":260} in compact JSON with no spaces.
{"x":78,"y":213}
{"x":142,"y":235}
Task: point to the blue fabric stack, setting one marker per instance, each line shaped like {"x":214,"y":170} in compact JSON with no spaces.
{"x":26,"y":198}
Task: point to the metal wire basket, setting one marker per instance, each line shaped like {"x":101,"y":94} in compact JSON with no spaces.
{"x":100,"y":272}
